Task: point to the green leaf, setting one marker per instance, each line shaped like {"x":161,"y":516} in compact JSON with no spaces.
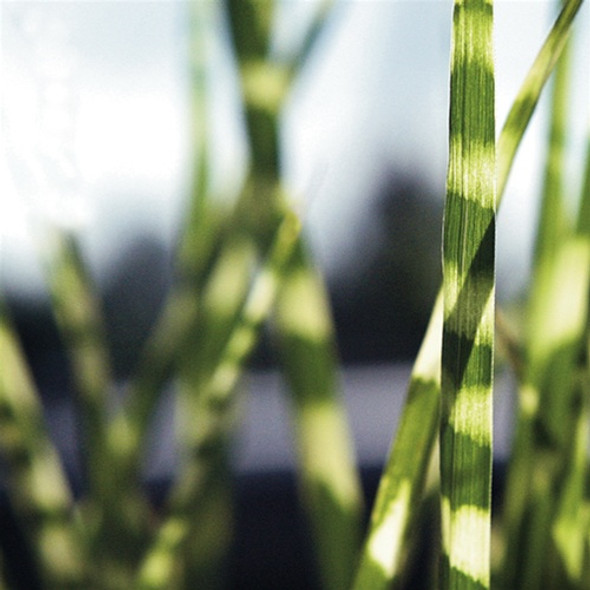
{"x":328,"y":479}
{"x":401,"y":486}
{"x":468,"y":293}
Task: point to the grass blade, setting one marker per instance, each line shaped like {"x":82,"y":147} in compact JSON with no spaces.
{"x":265,"y":82}
{"x":400,"y":489}
{"x":401,"y":485}
{"x":583,"y":223}
{"x":77,"y":310}
{"x":37,"y":485}
{"x":210,"y":434}
{"x":572,"y":520}
{"x":548,"y":427}
{"x":204,"y":229}
{"x":328,"y":481}
{"x":468,"y":294}
{"x":528,"y":95}
{"x":553,"y":224}
{"x":549,"y":407}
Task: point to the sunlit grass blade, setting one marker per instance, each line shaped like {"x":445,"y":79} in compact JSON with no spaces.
{"x":393,"y":497}
{"x":468,"y":295}
{"x":328,"y":480}
{"x":36,"y":483}
{"x":403,"y":479}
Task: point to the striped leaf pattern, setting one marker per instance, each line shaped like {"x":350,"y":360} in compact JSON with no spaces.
{"x":468,"y":291}
{"x":401,"y":485}
{"x":327,"y":479}
{"x":234,"y":266}
{"x":400,"y":489}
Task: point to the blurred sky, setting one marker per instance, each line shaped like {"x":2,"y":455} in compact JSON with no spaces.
{"x":95,"y":120}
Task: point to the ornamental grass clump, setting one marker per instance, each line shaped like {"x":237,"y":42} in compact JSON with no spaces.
{"x":243,"y":263}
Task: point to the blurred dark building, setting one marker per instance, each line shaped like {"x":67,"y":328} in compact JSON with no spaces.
{"x":381,"y":312}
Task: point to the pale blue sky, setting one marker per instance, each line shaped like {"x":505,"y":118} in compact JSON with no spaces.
{"x":106,"y":83}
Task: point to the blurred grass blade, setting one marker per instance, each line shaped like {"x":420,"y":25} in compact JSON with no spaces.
{"x":265,"y":82}
{"x":221,"y":304}
{"x":572,"y":521}
{"x":549,"y":407}
{"x":37,"y":485}
{"x":548,"y":428}
{"x":315,"y":29}
{"x":77,"y":310}
{"x":468,"y":295}
{"x":210,"y":427}
{"x":328,"y":480}
{"x":583,"y":222}
{"x":399,"y":492}
{"x":553,"y":224}
{"x":203,"y":231}
{"x":114,"y":523}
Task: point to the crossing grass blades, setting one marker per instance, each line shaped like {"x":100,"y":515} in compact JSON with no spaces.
{"x":243,"y":263}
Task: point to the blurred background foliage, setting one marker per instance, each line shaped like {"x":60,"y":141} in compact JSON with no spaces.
{"x":362,"y":136}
